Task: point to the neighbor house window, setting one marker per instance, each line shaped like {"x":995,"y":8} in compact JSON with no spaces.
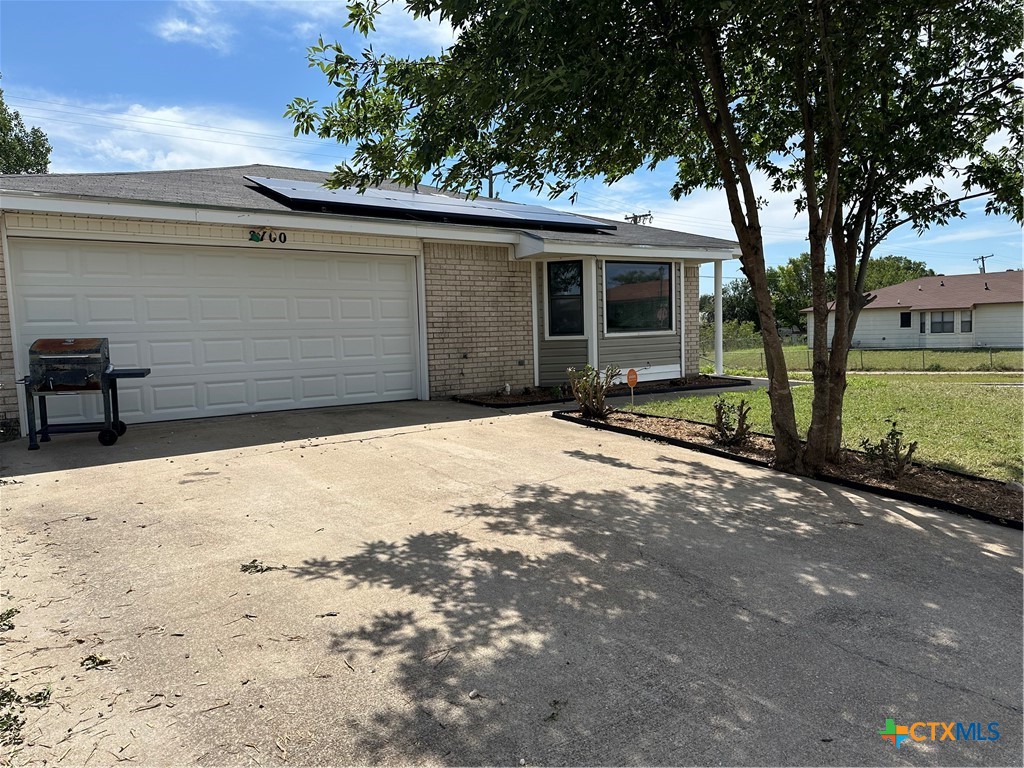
{"x":942,"y":322}
{"x":904,"y":319}
{"x":966,"y":321}
{"x":924,"y":315}
{"x":637,"y":297}
{"x":565,"y":298}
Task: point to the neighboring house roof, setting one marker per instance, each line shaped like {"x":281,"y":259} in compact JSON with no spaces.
{"x":950,"y":292}
{"x":649,"y":289}
{"x":227,"y":188}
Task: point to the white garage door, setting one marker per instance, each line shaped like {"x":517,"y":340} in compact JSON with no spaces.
{"x":225,"y":330}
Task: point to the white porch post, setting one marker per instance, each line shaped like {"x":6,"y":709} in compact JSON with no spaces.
{"x":718,"y":318}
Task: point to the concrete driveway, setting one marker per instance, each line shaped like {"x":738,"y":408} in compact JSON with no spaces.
{"x":467,"y":587}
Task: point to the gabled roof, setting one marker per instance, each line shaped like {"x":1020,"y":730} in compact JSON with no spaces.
{"x":227,"y":188}
{"x":950,"y":292}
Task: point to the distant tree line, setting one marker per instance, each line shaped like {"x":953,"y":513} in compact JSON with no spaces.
{"x":22,"y":150}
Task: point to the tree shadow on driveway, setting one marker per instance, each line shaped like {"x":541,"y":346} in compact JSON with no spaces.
{"x":700,"y":616}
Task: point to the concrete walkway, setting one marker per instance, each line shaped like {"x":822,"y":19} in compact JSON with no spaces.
{"x":465,"y":587}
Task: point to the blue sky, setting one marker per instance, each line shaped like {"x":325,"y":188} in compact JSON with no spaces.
{"x":122,"y":86}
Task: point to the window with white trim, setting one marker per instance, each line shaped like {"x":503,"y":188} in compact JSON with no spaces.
{"x":638,"y":297}
{"x":565,"y":298}
{"x":943,"y":322}
{"x":904,"y":319}
{"x":966,"y":321}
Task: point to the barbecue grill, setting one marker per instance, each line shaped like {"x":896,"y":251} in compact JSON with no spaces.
{"x":60,"y":367}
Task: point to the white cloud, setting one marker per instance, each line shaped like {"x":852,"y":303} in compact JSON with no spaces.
{"x":94,"y":138}
{"x":397,"y":31}
{"x":197,"y":22}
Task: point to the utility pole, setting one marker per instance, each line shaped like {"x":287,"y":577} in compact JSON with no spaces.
{"x":640,"y":218}
{"x":982,"y":260}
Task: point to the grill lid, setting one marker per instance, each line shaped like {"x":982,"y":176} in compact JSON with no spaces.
{"x":64,"y":348}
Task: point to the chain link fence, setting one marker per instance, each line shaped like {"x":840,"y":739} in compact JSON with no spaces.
{"x":745,"y":355}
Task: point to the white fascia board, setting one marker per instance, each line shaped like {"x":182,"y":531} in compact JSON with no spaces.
{"x":35,"y":202}
{"x":530,"y":247}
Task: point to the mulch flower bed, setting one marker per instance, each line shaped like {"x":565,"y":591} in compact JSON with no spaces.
{"x":546,"y":395}
{"x":994,"y":500}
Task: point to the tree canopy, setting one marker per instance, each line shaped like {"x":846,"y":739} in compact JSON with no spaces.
{"x":22,"y":150}
{"x":865,"y":111}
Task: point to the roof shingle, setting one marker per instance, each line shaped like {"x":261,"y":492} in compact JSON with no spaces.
{"x":227,"y":188}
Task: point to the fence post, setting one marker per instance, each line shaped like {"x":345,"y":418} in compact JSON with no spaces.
{"x":990,"y":366}
{"x":862,"y":359}
{"x":922,"y":359}
{"x":761,"y":355}
{"x":808,"y":359}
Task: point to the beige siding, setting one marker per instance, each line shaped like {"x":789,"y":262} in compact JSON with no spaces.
{"x":147,"y":231}
{"x":479,"y":329}
{"x":994,"y":325}
{"x":555,"y":355}
{"x":638,"y":351}
{"x":8,"y":388}
{"x":999,"y":325}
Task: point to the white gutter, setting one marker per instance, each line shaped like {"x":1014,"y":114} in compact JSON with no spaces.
{"x":531,"y":246}
{"x":526,"y":245}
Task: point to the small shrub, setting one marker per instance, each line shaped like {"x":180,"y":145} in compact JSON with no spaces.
{"x":590,"y":389}
{"x":895,"y":454}
{"x":557,"y":393}
{"x":731,"y":421}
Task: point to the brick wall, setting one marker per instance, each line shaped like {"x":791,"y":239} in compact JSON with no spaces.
{"x":478,"y":319}
{"x":691,"y":323}
{"x":9,"y":425}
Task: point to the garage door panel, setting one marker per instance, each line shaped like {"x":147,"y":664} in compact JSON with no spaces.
{"x":107,"y":264}
{"x":224,"y":331}
{"x":227,"y":394}
{"x":167,"y":309}
{"x":174,"y":399}
{"x":398,"y":382}
{"x":319,"y":387}
{"x":126,"y":354}
{"x":277,"y":390}
{"x":222,"y":351}
{"x":48,"y":310}
{"x":314,"y":349}
{"x":111,"y":309}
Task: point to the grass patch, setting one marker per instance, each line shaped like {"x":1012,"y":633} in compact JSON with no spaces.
{"x":748,"y":362}
{"x":958,"y":423}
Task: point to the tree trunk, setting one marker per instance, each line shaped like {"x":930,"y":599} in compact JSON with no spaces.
{"x":717,"y":120}
{"x":817,"y":432}
{"x":788,"y":448}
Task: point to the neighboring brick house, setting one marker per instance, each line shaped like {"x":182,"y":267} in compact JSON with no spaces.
{"x":241,"y":300}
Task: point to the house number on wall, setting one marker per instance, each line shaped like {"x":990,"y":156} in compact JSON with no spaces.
{"x":266,"y":236}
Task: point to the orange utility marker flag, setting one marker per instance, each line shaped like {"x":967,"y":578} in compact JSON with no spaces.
{"x":631,"y":380}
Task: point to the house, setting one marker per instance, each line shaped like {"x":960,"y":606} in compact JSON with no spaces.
{"x":254,"y":288}
{"x":942,"y":312}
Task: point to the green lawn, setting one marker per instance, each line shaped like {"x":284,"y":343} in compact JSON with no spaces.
{"x":958,"y":422}
{"x":798,"y":358}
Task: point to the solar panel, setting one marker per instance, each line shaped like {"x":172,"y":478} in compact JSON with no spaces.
{"x":423,"y":206}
